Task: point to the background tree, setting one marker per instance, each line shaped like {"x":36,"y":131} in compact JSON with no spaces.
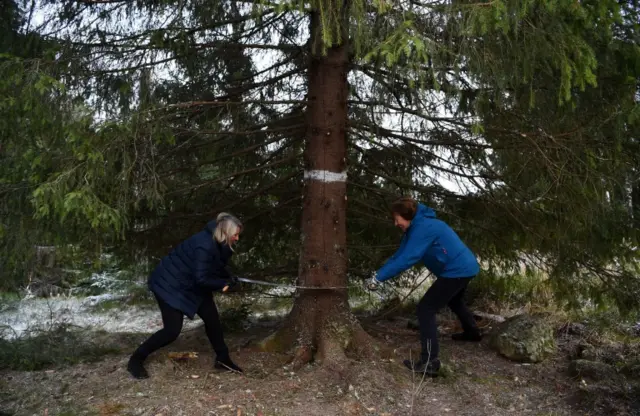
{"x":35,"y":116}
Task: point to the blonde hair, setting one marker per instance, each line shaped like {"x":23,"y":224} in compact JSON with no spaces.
{"x":226,"y":226}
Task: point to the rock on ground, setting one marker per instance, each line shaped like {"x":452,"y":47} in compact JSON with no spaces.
{"x":524,"y":338}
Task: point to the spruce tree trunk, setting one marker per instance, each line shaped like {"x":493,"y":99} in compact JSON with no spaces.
{"x":635,"y":205}
{"x":321,"y":324}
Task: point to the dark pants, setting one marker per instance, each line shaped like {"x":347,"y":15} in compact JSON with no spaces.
{"x":172,"y":321}
{"x":444,"y":291}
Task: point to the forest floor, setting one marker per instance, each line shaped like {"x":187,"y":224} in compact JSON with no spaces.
{"x":476,"y":381}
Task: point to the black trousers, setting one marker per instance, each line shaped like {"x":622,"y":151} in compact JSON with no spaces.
{"x":443,"y":292}
{"x":172,"y":320}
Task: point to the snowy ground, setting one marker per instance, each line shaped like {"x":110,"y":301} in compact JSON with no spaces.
{"x":40,"y":314}
{"x":31,"y":314}
{"x":37,"y":314}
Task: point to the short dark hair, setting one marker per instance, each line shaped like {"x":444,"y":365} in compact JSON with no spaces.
{"x":405,"y":207}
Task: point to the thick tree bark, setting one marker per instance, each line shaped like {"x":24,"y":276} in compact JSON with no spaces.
{"x":635,"y":204}
{"x":321,"y":324}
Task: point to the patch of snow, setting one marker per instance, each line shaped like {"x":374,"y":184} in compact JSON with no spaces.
{"x":37,"y":314}
{"x":107,"y":282}
{"x":94,"y":300}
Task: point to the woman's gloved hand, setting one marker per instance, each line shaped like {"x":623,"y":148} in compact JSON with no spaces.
{"x":374,"y":283}
{"x":232,"y":284}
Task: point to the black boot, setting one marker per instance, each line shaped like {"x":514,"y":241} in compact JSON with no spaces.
{"x":223,"y":362}
{"x":429,"y":368}
{"x":467,"y":336}
{"x":136,"y":368}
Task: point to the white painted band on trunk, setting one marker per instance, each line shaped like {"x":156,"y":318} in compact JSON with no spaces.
{"x":325,"y":175}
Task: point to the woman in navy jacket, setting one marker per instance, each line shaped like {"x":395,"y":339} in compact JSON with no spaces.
{"x":183,"y":283}
{"x":433,"y":242}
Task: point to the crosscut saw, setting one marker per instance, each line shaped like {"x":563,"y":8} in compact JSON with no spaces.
{"x":289,"y":286}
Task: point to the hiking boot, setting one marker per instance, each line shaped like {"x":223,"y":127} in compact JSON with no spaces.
{"x":467,"y":336}
{"x":136,"y":368}
{"x":225,"y":363}
{"x":428,"y":368}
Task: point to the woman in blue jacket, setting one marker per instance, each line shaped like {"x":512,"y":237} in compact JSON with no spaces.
{"x":183,"y":283}
{"x":433,"y":242}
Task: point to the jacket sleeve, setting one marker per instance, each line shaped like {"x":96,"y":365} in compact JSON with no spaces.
{"x":210,"y":272}
{"x":411,"y":250}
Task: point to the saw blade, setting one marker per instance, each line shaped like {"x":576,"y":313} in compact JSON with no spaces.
{"x":262,"y":282}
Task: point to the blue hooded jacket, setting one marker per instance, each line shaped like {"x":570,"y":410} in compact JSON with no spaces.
{"x":191,"y":271}
{"x":436,"y":244}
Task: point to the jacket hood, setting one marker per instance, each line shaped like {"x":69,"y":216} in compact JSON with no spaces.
{"x":425,"y":211}
{"x":210,"y":227}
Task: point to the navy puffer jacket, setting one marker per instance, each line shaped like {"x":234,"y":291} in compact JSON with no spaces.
{"x":194,"y":269}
